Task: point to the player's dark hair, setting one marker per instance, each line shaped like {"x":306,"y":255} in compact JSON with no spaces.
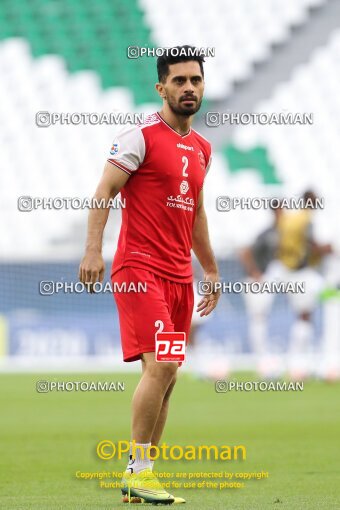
{"x":275,"y":204}
{"x":179,"y":54}
{"x":309,"y":198}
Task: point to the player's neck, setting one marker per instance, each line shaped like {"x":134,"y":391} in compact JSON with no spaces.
{"x":178,"y":123}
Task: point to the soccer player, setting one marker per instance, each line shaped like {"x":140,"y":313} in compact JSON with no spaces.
{"x":159,"y":167}
{"x":257,"y":260}
{"x":295,"y":255}
{"x":299,"y":254}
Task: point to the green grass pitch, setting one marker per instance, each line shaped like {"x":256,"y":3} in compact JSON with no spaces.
{"x":46,"y":438}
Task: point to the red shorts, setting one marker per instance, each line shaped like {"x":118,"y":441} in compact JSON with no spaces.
{"x":164,"y":300}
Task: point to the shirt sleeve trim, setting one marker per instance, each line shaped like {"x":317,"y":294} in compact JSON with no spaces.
{"x":120,"y":166}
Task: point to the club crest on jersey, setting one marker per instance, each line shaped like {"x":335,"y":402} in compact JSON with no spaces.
{"x":184,"y":187}
{"x":201,"y":160}
{"x":114,"y":149}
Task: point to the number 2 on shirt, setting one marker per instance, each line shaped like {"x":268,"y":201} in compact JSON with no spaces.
{"x":185,"y":165}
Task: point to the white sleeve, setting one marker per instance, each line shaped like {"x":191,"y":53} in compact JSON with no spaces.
{"x":128,"y":149}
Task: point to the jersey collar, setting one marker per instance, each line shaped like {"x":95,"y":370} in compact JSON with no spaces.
{"x":181,"y":136}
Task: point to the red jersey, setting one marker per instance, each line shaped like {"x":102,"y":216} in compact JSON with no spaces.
{"x":167,"y":174}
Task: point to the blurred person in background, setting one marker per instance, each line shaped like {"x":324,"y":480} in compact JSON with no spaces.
{"x":285,"y":252}
{"x":257,"y":261}
{"x":299,"y":255}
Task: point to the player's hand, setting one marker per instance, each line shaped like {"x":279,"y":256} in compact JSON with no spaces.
{"x":209,"y":301}
{"x":327,"y":249}
{"x":92,"y":269}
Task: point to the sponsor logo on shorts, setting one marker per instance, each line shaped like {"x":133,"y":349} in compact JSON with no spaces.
{"x":170,"y":345}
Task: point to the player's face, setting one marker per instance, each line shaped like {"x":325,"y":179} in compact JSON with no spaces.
{"x":183,"y":88}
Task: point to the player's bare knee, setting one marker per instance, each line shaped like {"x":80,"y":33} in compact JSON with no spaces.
{"x":162,"y":371}
{"x":167,"y":370}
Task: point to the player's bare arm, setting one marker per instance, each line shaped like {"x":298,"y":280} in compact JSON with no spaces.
{"x":92,"y":266}
{"x":321,"y":250}
{"x":204,"y":253}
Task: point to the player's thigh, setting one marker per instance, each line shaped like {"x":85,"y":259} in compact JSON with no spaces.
{"x":158,"y":368}
{"x":139,"y":311}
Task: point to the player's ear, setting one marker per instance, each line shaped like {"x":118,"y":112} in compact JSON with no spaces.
{"x":160,"y":89}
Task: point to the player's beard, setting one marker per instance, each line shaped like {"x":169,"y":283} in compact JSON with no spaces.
{"x":180,"y":109}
